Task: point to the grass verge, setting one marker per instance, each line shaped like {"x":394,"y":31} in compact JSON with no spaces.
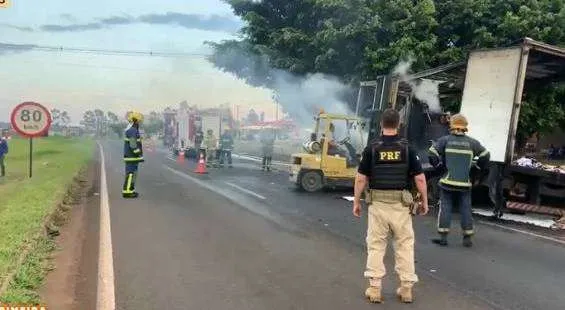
{"x":31,"y":210}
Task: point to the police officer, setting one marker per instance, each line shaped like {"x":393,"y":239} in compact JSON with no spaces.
{"x":226,"y":148}
{"x":133,"y":153}
{"x":454,"y":155}
{"x":388,"y":166}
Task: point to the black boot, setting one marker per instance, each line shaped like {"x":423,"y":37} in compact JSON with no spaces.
{"x":467,"y":242}
{"x":442,"y":240}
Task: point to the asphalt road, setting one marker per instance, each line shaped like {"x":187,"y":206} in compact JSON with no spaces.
{"x":243,"y":239}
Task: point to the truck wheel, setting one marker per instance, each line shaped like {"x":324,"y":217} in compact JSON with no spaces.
{"x":311,"y":181}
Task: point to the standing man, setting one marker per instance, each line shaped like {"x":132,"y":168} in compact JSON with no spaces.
{"x":3,"y":152}
{"x":226,"y":148}
{"x":267,"y":147}
{"x":133,"y":153}
{"x":388,"y":167}
{"x":454,"y":154}
{"x":198,"y":139}
{"x":210,"y":143}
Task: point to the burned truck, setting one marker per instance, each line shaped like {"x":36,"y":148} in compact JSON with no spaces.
{"x":488,"y":88}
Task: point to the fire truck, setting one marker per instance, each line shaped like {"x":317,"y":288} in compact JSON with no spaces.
{"x":190,"y":120}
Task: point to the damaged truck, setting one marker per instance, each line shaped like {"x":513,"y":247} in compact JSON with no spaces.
{"x":488,"y":88}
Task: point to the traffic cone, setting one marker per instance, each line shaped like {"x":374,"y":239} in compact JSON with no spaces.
{"x":180,"y":158}
{"x":201,"y":167}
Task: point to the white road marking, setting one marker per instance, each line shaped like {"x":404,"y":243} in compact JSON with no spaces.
{"x":524,"y":232}
{"x":245,"y":190}
{"x":106,"y":295}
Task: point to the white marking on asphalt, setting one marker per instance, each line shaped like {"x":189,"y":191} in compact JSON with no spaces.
{"x":106,"y":298}
{"x":245,"y":190}
{"x":524,"y":232}
{"x":536,"y":220}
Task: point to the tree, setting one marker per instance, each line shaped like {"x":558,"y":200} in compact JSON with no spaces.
{"x":356,"y":39}
{"x":89,"y":120}
{"x":252,"y":117}
{"x":153,"y":123}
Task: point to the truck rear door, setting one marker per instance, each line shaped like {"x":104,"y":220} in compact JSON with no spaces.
{"x":492,"y":93}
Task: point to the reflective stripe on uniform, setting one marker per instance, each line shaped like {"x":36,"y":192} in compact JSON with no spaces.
{"x":484,"y":153}
{"x":458,"y":151}
{"x":133,"y":159}
{"x":434,"y":151}
{"x":454,"y":183}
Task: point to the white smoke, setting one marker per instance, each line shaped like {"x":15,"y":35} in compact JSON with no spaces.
{"x":300,"y":97}
{"x":424,"y":90}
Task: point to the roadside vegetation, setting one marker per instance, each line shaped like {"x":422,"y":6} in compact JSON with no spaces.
{"x":30,"y":210}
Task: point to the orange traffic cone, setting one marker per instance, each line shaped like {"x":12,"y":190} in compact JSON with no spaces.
{"x":201,"y":167}
{"x":180,"y":158}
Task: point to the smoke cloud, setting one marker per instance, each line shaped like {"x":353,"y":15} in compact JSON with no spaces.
{"x":424,"y":90}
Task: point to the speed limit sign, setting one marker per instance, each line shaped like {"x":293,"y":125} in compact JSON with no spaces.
{"x":31,"y":119}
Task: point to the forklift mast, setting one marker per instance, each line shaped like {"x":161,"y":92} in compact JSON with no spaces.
{"x":373,"y":98}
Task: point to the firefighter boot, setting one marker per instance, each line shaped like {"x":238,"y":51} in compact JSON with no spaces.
{"x":442,"y":240}
{"x":467,"y":242}
{"x":404,"y":292}
{"x":373,"y":292}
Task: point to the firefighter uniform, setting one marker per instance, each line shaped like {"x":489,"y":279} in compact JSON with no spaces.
{"x":210,"y":143}
{"x":226,"y":148}
{"x":133,"y":154}
{"x":267,"y":147}
{"x":390,"y":165}
{"x":454,"y":154}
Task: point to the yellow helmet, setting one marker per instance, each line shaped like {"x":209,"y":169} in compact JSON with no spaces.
{"x":133,"y":116}
{"x":458,"y":122}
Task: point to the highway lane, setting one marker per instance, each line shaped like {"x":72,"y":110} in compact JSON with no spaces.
{"x":242,"y":239}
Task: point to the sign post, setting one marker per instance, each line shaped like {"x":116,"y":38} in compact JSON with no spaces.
{"x":30,"y":120}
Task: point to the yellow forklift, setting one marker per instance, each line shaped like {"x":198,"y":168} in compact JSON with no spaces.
{"x":325,"y":161}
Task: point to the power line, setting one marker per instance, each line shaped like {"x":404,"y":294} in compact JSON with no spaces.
{"x":108,"y":52}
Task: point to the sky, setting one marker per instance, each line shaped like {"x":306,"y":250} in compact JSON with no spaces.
{"x":76,"y":81}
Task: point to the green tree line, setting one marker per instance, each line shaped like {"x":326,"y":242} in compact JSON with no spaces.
{"x":360,"y":39}
{"x":103,"y":123}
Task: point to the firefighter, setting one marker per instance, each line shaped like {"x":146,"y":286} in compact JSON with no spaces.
{"x":198,"y":139}
{"x":267,"y":146}
{"x":389,"y":166}
{"x":226,"y":148}
{"x":210,"y":143}
{"x":133,"y":153}
{"x":454,"y":154}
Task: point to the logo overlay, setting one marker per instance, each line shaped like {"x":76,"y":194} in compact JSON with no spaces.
{"x":22,"y":307}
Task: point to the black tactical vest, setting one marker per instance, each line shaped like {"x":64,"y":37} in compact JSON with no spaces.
{"x":390,"y":166}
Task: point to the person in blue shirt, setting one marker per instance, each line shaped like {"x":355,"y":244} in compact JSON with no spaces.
{"x":133,"y":154}
{"x":3,"y":152}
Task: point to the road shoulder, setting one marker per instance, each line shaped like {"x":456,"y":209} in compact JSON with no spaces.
{"x":72,"y":284}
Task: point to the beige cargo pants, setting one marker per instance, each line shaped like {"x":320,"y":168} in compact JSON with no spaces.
{"x":389,"y":213}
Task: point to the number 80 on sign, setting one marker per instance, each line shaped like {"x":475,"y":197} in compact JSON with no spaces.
{"x":31,"y":119}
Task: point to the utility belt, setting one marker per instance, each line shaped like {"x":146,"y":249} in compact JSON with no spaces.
{"x":392,"y":196}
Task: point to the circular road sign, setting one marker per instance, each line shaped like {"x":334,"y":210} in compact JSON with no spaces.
{"x":30,"y":119}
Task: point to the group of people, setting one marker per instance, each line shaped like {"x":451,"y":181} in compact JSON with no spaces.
{"x":388,"y":173}
{"x":215,"y":151}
